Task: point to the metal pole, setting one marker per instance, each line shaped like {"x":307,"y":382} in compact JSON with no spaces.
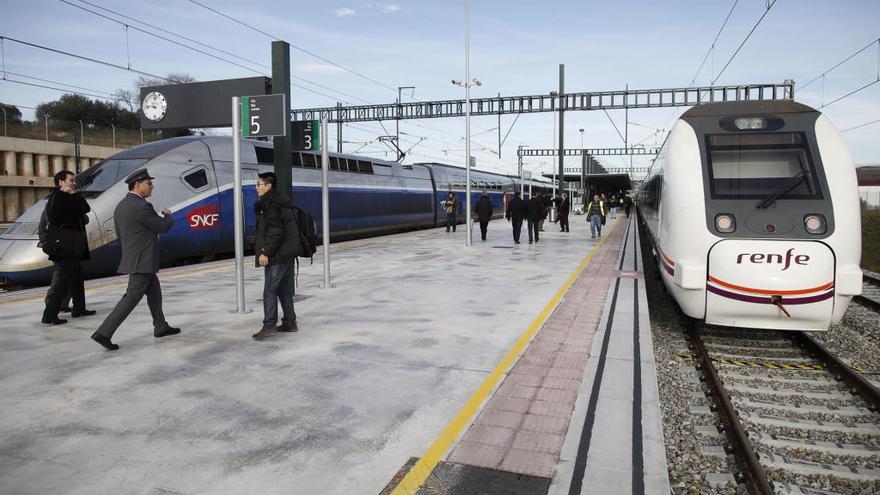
{"x":467,"y":118}
{"x":237,"y":205}
{"x":46,"y":119}
{"x":142,"y":136}
{"x":500,"y":106}
{"x":397,"y":125}
{"x":325,"y":203}
{"x":561,"y":119}
{"x":4,"y":122}
{"x":114,"y":135}
{"x":339,"y":127}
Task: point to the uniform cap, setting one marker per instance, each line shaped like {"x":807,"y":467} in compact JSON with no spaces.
{"x":138,"y":175}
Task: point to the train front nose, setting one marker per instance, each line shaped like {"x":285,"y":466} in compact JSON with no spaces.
{"x":783,"y":285}
{"x":22,"y":262}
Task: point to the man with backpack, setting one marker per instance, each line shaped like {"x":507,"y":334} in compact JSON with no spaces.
{"x":276,"y":245}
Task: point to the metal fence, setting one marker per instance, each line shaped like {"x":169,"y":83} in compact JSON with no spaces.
{"x":79,"y":132}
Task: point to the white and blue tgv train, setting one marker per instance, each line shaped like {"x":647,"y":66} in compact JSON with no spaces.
{"x":193,"y":178}
{"x":753,"y":210}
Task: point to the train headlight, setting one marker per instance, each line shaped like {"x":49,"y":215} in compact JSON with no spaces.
{"x":750,"y":123}
{"x":725,"y":223}
{"x":815,"y":224}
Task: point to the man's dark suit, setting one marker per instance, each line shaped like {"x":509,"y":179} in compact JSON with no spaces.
{"x":138,"y":227}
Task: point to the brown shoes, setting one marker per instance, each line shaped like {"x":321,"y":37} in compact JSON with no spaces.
{"x":285,"y":328}
{"x":265,"y":332}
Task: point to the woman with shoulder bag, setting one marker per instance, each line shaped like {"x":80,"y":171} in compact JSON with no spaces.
{"x":67,"y":245}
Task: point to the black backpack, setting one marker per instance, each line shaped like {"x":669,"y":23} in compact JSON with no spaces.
{"x":308,"y":231}
{"x":300,"y":221}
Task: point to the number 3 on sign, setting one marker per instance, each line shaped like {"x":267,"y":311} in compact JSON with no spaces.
{"x":255,"y":126}
{"x":308,"y":141}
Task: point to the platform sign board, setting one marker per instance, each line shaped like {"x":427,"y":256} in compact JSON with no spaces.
{"x":306,"y":135}
{"x":263,"y":116}
{"x":193,"y":105}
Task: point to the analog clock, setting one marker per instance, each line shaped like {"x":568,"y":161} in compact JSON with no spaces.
{"x":154,"y":106}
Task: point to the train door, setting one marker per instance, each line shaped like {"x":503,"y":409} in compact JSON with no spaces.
{"x":200,"y":231}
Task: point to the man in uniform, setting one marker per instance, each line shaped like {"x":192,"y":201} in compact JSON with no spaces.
{"x":138,"y":227}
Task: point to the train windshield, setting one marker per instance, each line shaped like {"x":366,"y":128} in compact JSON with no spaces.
{"x":99,"y":178}
{"x":761,"y":166}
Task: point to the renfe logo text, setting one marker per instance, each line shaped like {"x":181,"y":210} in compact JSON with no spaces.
{"x":770,"y":258}
{"x":204,"y":217}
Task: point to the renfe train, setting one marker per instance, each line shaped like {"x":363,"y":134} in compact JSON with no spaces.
{"x":753,"y":210}
{"x":194,"y":179}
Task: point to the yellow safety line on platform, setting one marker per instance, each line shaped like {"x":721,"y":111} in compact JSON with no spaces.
{"x":429,"y":460}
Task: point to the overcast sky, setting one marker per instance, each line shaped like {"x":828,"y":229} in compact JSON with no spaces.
{"x":515,"y":49}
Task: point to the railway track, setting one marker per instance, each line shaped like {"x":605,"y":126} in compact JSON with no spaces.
{"x":870,"y":292}
{"x":797,"y":419}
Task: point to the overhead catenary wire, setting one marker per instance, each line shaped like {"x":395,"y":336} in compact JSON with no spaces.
{"x":770,"y":4}
{"x":847,"y":59}
{"x":860,"y":126}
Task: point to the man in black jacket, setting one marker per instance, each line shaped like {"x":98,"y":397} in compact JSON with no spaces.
{"x":562,"y":212}
{"x":66,"y":209}
{"x":516,"y":212}
{"x":534,"y":215}
{"x":484,"y":213}
{"x":274,"y":248}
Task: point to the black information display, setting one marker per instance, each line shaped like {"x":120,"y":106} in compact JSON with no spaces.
{"x":306,"y":135}
{"x":263,"y":116}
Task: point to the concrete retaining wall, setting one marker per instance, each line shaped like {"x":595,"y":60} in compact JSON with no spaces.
{"x":28,"y":165}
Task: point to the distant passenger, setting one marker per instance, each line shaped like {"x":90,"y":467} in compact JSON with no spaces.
{"x":535,"y":213}
{"x":451,"y":206}
{"x":484,"y":210}
{"x":275,"y":247}
{"x":562,"y":212}
{"x":545,"y":209}
{"x":595,"y":214}
{"x":627,"y":205}
{"x":613,"y":207}
{"x":138,"y":227}
{"x":516,"y":212}
{"x":66,"y":242}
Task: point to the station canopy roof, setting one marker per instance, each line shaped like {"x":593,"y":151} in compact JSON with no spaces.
{"x":603,"y":182}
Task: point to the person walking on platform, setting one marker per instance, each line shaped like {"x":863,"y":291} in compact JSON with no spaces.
{"x":613,"y":207}
{"x":516,"y":212}
{"x":66,"y":211}
{"x":275,"y":246}
{"x":484,"y":210}
{"x":535,"y":212}
{"x":595,"y":214}
{"x":627,"y":204}
{"x":562,"y":212}
{"x":138,"y":227}
{"x":451,"y":206}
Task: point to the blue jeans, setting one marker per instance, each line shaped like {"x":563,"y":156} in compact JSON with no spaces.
{"x":450,"y":221}
{"x":596,"y":225}
{"x":278,"y":287}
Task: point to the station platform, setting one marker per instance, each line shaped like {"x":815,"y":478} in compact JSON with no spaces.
{"x":429,"y":368}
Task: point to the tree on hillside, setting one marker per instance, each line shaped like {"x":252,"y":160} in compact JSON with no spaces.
{"x":13,"y":114}
{"x":72,"y":107}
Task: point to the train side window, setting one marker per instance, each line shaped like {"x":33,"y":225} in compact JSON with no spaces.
{"x":265,"y":155}
{"x":364,"y":167}
{"x":196,"y":179}
{"x":334,"y":163}
{"x":295,"y":160}
{"x":308,"y":160}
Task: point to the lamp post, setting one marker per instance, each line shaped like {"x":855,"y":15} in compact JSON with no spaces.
{"x":467,"y":83}
{"x":583,"y":165}
{"x":397,"y":142}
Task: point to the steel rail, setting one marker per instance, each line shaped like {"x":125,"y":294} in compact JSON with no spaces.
{"x":754,"y":475}
{"x":866,"y":301}
{"x":868,"y":392}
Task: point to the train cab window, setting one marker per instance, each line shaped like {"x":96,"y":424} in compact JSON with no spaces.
{"x":99,"y":178}
{"x":196,"y":179}
{"x":753,"y":166}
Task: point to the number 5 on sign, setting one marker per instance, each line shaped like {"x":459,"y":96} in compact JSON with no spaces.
{"x":263,"y":116}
